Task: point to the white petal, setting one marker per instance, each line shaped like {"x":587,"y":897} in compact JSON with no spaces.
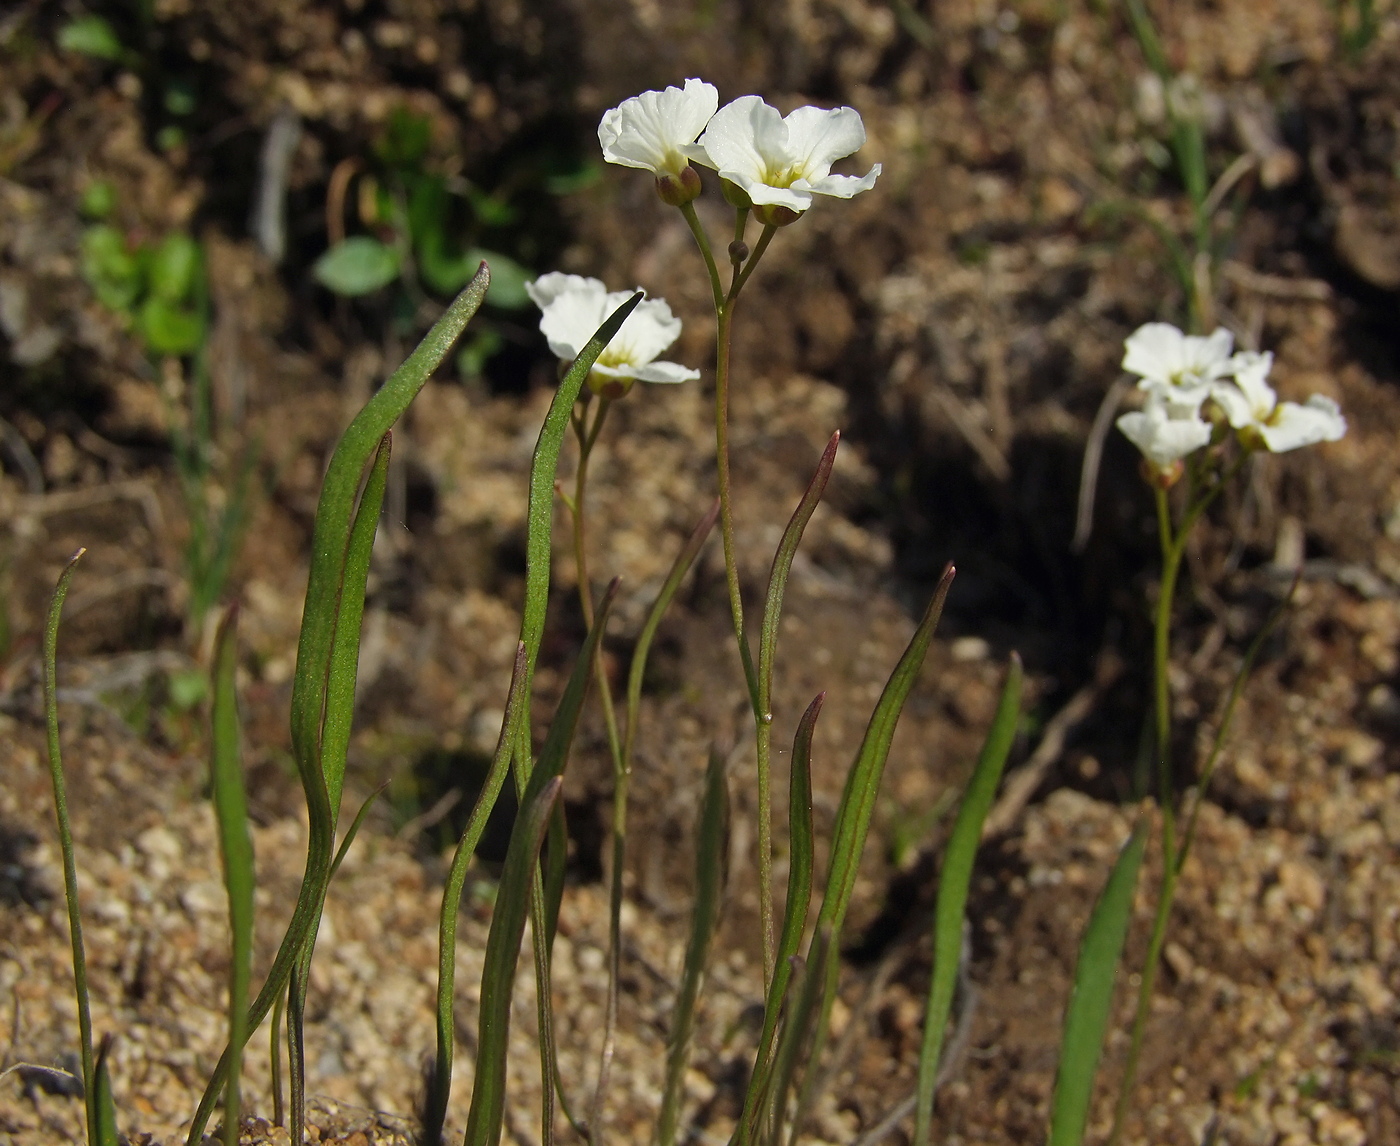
{"x":816,"y":138}
{"x":1238,"y":408}
{"x":545,"y":289}
{"x":1209,"y":358}
{"x":572,"y":308}
{"x":1163,"y":439}
{"x":1154,"y":351}
{"x":1294,"y":426}
{"x":666,"y":372}
{"x":648,"y":331}
{"x":795,"y":197}
{"x":730,"y":142}
{"x":652,"y":131}
{"x":845,"y":186}
{"x":1251,"y":372}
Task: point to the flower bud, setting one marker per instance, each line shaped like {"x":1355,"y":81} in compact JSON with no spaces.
{"x":738,"y":251}
{"x":606,"y":386}
{"x":1163,"y":477}
{"x":773,"y":215}
{"x":735,"y":195}
{"x":678,"y":190}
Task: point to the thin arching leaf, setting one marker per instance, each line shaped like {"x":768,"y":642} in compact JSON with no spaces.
{"x":953,"y":883}
{"x":236,"y":848}
{"x":1091,"y":1001}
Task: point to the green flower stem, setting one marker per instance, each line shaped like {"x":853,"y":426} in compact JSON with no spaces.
{"x":1173,"y":543}
{"x":703,"y":242}
{"x":65,"y":841}
{"x":762,"y":245}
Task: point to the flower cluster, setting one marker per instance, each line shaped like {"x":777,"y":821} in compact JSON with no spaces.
{"x":1181,"y":372}
{"x":767,"y":161}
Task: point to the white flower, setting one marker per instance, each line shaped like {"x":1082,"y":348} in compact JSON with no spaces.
{"x":656,"y":130}
{"x":574,"y":307}
{"x":1253,"y":408}
{"x":1164,"y":430}
{"x":1185,"y":364}
{"x":780,"y":161}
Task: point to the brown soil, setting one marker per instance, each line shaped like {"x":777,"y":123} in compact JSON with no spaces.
{"x":960,"y":324}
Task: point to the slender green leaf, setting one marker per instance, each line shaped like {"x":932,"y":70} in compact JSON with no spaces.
{"x":65,"y":840}
{"x":767,"y":651}
{"x":863,"y":781}
{"x":799,"y":895}
{"x":236,"y":848}
{"x":354,"y":829}
{"x":105,"y":1133}
{"x":329,"y":542}
{"x":797,"y":1032}
{"x":357,"y":265}
{"x":1091,"y":1001}
{"x":440,"y":1084}
{"x":345,"y":646}
{"x":502,"y":951}
{"x":711,"y":875}
{"x":953,"y":883}
{"x":517,"y":890}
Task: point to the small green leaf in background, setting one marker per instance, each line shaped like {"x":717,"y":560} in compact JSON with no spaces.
{"x":104,"y":1133}
{"x":187,"y":687}
{"x":1095,"y":976}
{"x":173,"y":267}
{"x":357,"y":265}
{"x":168,"y":329}
{"x":99,"y":199}
{"x":90,"y":36}
{"x":110,"y":268}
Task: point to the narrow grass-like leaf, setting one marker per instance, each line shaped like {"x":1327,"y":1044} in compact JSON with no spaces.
{"x":799,"y":895}
{"x":440,"y":1084}
{"x":539,"y":514}
{"x":236,"y":848}
{"x":341,"y":675}
{"x":344,"y":666}
{"x":767,"y":652}
{"x":279,"y":1106}
{"x":502,"y":951}
{"x":798,"y":1027}
{"x":105,"y":1132}
{"x":516,"y":892}
{"x":354,"y":829}
{"x":65,"y":839}
{"x":330,"y":539}
{"x":953,"y":882}
{"x":853,"y":821}
{"x":711,"y":874}
{"x":814,"y":1075}
{"x":863,"y":781}
{"x":1091,"y":1001}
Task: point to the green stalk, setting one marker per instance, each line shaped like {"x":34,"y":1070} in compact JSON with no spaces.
{"x":65,"y":844}
{"x":622,"y":780}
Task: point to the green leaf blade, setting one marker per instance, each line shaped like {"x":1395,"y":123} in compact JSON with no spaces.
{"x":1091,"y":1001}
{"x":953,"y":883}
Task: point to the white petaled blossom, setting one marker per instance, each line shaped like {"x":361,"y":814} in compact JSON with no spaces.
{"x":656,"y":132}
{"x":1186,"y":364}
{"x":573,"y":307}
{"x":1253,"y":408}
{"x":1165,"y":431}
{"x":781,"y":162}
